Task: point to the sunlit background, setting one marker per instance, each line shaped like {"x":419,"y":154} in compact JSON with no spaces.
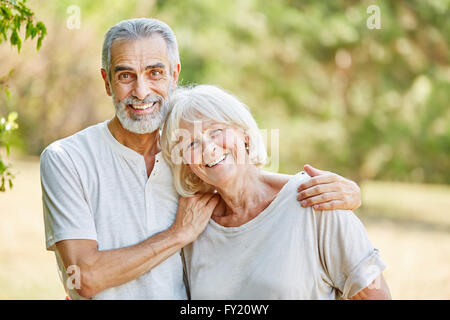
{"x":370,"y":104}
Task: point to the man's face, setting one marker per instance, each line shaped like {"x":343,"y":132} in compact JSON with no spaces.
{"x":141,"y":81}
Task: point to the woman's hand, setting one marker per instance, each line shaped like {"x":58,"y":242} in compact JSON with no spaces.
{"x":193,"y":215}
{"x":328,"y":191}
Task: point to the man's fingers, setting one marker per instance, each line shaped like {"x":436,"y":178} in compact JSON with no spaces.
{"x":310,"y":170}
{"x":324,"y":197}
{"x":331,"y":205}
{"x":324,"y":178}
{"x":319,"y":189}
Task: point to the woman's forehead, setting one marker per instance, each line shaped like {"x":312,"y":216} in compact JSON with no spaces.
{"x":198,"y":125}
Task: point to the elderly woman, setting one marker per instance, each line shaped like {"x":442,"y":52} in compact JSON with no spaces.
{"x":257,"y":245}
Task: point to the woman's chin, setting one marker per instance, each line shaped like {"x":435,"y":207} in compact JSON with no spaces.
{"x":220,"y":174}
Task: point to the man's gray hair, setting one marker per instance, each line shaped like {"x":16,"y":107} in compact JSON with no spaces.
{"x":134,"y":29}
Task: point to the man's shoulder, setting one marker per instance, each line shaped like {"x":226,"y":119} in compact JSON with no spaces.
{"x":78,"y":142}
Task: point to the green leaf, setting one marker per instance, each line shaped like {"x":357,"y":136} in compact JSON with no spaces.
{"x":15,"y":40}
{"x":33,"y":31}
{"x":8,"y":150}
{"x":6,"y":12}
{"x":39,"y":43}
{"x":40,"y":26}
{"x":17,"y":23}
{"x":3,"y":32}
{"x":42,"y":32}
{"x":28,"y":29}
{"x":19,"y":45}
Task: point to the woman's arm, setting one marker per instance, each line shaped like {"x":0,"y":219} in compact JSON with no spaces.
{"x":377,"y":290}
{"x":102,"y":269}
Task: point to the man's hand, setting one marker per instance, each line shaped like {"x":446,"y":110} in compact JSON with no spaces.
{"x":193,"y":214}
{"x":328,"y":191}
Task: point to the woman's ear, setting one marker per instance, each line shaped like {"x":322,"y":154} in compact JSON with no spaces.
{"x":247,"y":142}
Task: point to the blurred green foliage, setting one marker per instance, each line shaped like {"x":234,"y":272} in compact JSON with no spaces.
{"x":7,"y":125}
{"x":366,"y":103}
{"x":14,"y":14}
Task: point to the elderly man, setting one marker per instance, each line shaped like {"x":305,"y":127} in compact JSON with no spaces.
{"x":111,"y":213}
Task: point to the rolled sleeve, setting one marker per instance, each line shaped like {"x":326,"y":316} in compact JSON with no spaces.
{"x":347,"y":255}
{"x":363,"y":275}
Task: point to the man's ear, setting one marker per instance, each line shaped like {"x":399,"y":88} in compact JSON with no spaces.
{"x":106,"y":80}
{"x":176,"y":74}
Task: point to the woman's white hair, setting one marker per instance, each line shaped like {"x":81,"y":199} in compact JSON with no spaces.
{"x":199,"y":103}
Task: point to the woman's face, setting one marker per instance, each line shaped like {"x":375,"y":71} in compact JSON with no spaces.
{"x":214,"y":151}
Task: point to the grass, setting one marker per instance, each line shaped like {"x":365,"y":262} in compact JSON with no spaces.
{"x":409,"y":224}
{"x":27,"y":270}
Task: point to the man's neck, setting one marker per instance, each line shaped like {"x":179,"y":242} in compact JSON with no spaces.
{"x":146,"y":144}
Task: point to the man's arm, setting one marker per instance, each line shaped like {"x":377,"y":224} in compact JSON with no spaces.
{"x":328,"y":191}
{"x":377,"y":290}
{"x":100,"y":270}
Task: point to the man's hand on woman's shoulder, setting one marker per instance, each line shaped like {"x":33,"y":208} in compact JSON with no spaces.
{"x":328,"y":191}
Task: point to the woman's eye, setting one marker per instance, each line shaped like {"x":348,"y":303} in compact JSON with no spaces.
{"x":192,"y":144}
{"x":216,"y":132}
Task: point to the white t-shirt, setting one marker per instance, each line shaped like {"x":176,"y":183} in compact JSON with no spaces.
{"x":286,"y":252}
{"x":93,"y":187}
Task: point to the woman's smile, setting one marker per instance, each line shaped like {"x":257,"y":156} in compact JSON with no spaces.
{"x":217,"y":162}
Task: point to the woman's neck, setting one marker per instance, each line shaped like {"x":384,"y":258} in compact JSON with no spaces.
{"x":245,"y":197}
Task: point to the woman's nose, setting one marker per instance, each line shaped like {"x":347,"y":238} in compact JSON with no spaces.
{"x":209,"y":151}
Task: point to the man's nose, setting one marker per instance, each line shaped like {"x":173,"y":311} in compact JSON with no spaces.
{"x":141,"y":88}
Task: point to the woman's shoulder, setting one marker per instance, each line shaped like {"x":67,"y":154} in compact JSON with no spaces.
{"x":279,"y":180}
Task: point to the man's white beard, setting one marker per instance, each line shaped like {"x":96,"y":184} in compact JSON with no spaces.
{"x":142,"y":123}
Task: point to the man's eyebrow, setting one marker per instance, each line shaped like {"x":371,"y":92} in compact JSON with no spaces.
{"x":122,"y":68}
{"x":156,"y":65}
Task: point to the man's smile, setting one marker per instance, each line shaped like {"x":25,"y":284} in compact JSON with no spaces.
{"x":143,"y":108}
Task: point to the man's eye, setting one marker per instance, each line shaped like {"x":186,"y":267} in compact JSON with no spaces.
{"x":156,"y":73}
{"x":124,"y":76}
